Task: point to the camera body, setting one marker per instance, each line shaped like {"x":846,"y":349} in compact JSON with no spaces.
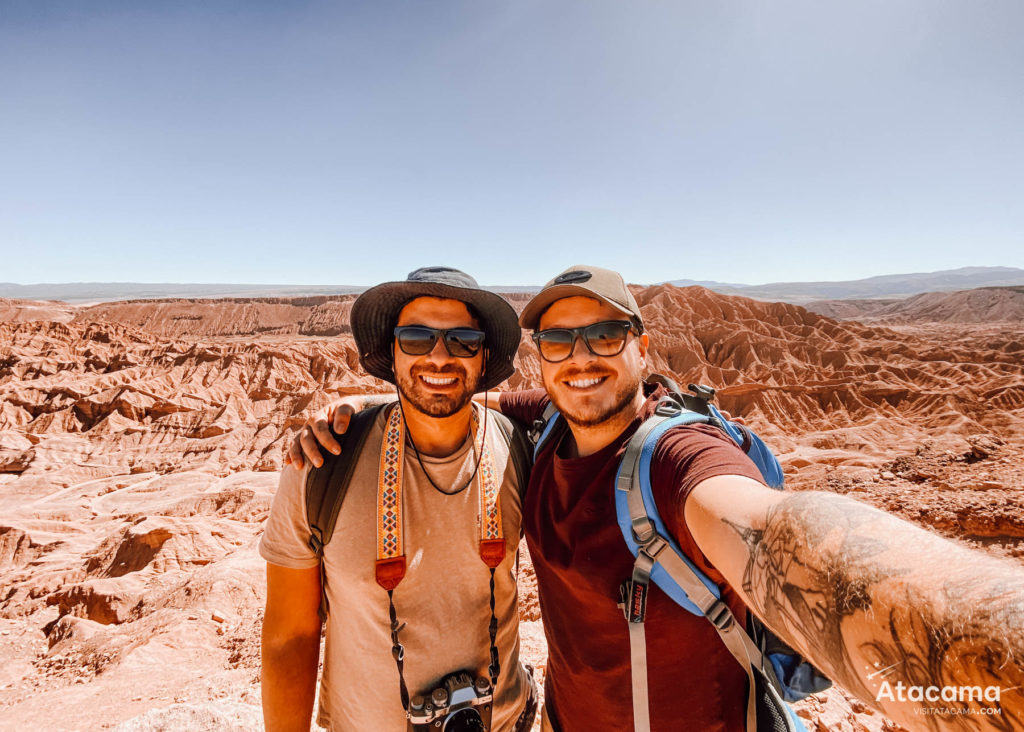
{"x":457,"y":704}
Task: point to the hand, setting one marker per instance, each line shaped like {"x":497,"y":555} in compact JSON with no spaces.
{"x":730,"y":418}
{"x":316,"y":432}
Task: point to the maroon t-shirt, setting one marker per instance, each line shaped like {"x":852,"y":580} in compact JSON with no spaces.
{"x":581,"y":559}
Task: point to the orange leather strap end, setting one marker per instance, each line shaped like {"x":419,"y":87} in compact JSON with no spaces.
{"x":492,"y":551}
{"x":389,"y":572}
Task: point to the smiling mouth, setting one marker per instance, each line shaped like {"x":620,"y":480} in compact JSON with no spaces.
{"x":438,"y":380}
{"x":584,"y":383}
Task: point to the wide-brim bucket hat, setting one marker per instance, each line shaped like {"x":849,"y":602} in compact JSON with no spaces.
{"x":375,"y":313}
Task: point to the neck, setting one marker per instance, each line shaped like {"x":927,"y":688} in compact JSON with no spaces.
{"x":589,"y":439}
{"x":436,"y":436}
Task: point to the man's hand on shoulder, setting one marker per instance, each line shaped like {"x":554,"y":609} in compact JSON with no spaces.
{"x":316,"y":433}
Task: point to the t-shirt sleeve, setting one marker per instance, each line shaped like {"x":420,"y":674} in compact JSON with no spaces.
{"x":286,"y":534}
{"x":685,"y":457}
{"x":524,"y":406}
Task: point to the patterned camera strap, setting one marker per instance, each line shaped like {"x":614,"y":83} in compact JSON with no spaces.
{"x":390,"y":566}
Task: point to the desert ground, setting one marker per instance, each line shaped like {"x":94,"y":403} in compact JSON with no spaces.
{"x":140,"y":443}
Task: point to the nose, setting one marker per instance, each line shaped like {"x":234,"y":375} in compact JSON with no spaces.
{"x":580,"y":353}
{"x":439,"y":354}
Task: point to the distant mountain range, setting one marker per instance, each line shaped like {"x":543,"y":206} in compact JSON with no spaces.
{"x":980,"y":305}
{"x":82,"y":292}
{"x":895,"y":286}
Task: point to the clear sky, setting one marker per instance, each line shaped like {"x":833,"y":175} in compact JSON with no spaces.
{"x":350,"y":142}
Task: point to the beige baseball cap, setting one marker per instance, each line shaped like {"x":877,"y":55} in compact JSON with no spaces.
{"x":586,"y":281}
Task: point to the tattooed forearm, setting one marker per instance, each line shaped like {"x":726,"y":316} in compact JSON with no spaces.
{"x":875,"y":601}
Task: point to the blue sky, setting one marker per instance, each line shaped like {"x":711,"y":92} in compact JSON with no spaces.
{"x":350,"y":142}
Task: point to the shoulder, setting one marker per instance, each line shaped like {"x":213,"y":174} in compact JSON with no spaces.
{"x":525,"y":406}
{"x":291,"y":491}
{"x":508,"y":425}
{"x":511,"y":436}
{"x":688,"y":455}
{"x":292,"y":482}
{"x":286,"y":531}
{"x":687,"y":442}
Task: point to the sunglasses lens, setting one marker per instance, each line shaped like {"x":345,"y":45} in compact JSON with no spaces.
{"x":416,"y":341}
{"x":463,"y":342}
{"x":555,"y":345}
{"x":606,"y":339}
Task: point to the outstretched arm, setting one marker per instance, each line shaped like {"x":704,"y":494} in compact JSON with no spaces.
{"x":898,"y":616}
{"x":493,"y":399}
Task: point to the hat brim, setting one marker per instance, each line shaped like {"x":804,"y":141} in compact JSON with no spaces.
{"x":375,"y":313}
{"x":530,"y":317}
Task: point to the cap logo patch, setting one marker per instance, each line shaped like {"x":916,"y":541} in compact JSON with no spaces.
{"x":577,"y":275}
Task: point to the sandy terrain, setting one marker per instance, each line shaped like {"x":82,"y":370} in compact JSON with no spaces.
{"x":139,"y":444}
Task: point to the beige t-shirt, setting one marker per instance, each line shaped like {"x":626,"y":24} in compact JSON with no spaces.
{"x":443,"y":599}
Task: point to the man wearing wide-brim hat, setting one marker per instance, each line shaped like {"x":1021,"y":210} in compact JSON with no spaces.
{"x":417,"y":577}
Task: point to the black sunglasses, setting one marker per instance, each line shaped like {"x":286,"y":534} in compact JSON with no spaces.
{"x":419,"y":340}
{"x":607,"y":338}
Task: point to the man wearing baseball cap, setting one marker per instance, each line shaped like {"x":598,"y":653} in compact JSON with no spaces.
{"x":593,"y":348}
{"x":864,"y":596}
{"x":876,"y":603}
{"x":418,"y":578}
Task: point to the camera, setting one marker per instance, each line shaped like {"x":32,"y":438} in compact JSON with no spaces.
{"x":458,"y":704}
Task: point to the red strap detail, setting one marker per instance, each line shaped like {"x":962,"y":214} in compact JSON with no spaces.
{"x":389,"y":572}
{"x":492,"y":551}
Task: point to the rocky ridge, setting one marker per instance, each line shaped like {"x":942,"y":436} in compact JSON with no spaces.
{"x":139,"y":443}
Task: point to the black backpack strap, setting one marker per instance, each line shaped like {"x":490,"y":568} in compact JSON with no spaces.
{"x":327,"y":485}
{"x":514,"y":434}
{"x":539,"y":427}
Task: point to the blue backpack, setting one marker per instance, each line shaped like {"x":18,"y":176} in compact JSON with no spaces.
{"x":775,"y":672}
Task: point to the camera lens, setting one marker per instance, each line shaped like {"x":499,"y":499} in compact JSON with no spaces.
{"x":464,"y":720}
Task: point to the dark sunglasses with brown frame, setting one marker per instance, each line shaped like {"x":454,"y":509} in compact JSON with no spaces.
{"x":607,"y":338}
{"x":419,"y":340}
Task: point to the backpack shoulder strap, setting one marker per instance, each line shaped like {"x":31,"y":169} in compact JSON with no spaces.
{"x":514,"y":434}
{"x":699,"y":399}
{"x":327,"y":485}
{"x":660,"y":559}
{"x":547,"y":426}
{"x":641,"y":523}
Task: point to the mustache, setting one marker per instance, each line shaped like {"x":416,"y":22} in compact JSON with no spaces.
{"x":449,"y":369}
{"x":572,"y":372}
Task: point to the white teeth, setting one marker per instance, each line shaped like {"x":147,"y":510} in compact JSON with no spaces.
{"x":583,"y":383}
{"x":435,"y":381}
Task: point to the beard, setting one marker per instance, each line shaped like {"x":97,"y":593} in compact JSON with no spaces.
{"x":431,"y":403}
{"x":585,"y":412}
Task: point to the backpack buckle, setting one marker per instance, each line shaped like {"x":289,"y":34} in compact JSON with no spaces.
{"x":654,"y":546}
{"x":668,"y":408}
{"x":643,"y":530}
{"x":719,"y":614}
{"x":316,"y":543}
{"x":702,"y":392}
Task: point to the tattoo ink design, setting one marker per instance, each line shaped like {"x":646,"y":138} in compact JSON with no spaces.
{"x":871,"y":599}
